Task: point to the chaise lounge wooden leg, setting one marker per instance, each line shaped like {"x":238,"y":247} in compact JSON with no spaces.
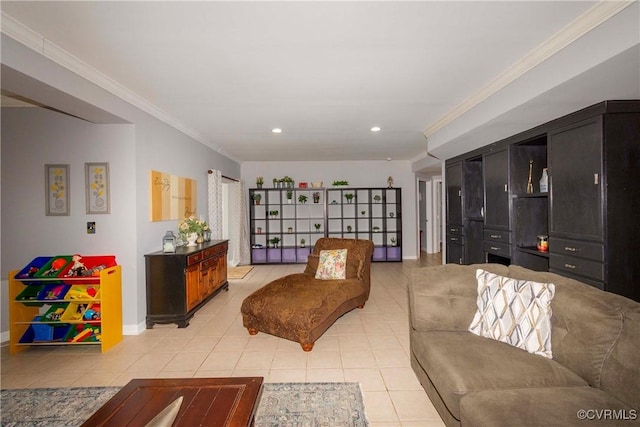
{"x":361,"y":305}
{"x":252,"y":331}
{"x":307,"y":346}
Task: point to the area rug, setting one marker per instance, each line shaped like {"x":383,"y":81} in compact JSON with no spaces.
{"x":238,"y":272}
{"x":281,"y":405}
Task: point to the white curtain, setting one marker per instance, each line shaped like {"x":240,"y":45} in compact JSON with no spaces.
{"x":238,"y":233}
{"x":236,"y":213}
{"x":214,"y":185}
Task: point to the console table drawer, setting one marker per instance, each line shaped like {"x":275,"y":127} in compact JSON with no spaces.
{"x":593,"y":251}
{"x":578,"y":266}
{"x":497,"y":248}
{"x":457,"y":240}
{"x":497,"y":236}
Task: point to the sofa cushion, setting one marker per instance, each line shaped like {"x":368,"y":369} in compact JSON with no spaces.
{"x":444,"y":297}
{"x":544,"y":407}
{"x":585,"y":325}
{"x":458,"y":363}
{"x":354,"y":266}
{"x":516,"y":312}
{"x":332,"y":264}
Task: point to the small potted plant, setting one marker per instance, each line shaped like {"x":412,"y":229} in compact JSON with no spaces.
{"x":259,"y":181}
{"x":275,"y":182}
{"x":302,"y":199}
{"x":316,"y":196}
{"x":363,"y":212}
{"x":340,"y":183}
{"x":349,"y":229}
{"x":317,"y":226}
{"x":302,"y":243}
{"x":274,"y":241}
{"x":289,"y":196}
{"x":349,"y":197}
{"x":257,"y":198}
{"x":393,"y":241}
{"x":377,"y":198}
{"x":376,"y":228}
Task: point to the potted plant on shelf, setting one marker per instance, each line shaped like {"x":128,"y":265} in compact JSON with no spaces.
{"x":376,"y":228}
{"x":289,"y":196}
{"x":257,"y":198}
{"x":317,"y":226}
{"x":349,"y":197}
{"x":302,"y":242}
{"x":275,"y":182}
{"x":259,"y":181}
{"x":302,"y":199}
{"x":316,"y":196}
{"x":363,"y":212}
{"x":393,"y":241}
{"x":273,"y":213}
{"x":340,"y":183}
{"x":377,"y":198}
{"x":274,"y":241}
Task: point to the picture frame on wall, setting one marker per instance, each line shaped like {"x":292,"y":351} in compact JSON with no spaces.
{"x":57,"y":190}
{"x":97,"y":188}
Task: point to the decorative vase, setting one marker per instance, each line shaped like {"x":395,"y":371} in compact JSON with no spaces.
{"x":200,"y":239}
{"x":544,"y":181}
{"x":191,"y":239}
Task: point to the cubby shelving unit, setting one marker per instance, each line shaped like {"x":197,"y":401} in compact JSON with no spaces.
{"x":282,"y":217}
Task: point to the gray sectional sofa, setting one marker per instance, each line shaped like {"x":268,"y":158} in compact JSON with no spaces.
{"x":592,"y":379}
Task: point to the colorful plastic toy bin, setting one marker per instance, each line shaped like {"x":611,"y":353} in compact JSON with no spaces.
{"x":32,"y":268}
{"x":43,"y":332}
{"x":55,"y":312}
{"x":55,"y":267}
{"x":29,"y":293}
{"x":93,"y":265}
{"x":84,"y":333}
{"x":55,"y":291}
{"x":73,"y":312}
{"x":83,"y":292}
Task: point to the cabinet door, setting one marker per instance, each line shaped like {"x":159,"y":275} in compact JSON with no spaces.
{"x":496,"y":179}
{"x":453,"y":179}
{"x":192,"y":283}
{"x":575,"y":156}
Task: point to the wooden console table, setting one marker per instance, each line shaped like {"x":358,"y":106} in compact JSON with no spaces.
{"x":179,"y":283}
{"x":229,"y":402}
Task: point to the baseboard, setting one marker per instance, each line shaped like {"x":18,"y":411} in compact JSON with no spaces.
{"x":134,"y":329}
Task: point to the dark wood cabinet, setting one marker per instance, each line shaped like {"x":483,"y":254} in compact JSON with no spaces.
{"x":496,"y":190}
{"x":179,"y":283}
{"x":575,"y":155}
{"x":589,"y":212}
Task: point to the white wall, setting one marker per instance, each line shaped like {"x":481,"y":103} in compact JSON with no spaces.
{"x":359,"y":174}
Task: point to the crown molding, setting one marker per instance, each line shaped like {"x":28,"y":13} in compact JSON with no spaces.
{"x":31,"y":39}
{"x":580,"y":26}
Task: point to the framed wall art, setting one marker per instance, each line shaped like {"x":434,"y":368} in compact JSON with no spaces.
{"x":96,"y":177}
{"x":172,"y":197}
{"x":56,"y":180}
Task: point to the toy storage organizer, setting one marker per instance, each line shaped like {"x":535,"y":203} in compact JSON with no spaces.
{"x":50,"y":306}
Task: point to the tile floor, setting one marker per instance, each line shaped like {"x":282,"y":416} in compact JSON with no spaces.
{"x":369,"y":346}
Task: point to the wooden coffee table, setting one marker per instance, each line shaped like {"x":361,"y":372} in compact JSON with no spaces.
{"x":206,"y":401}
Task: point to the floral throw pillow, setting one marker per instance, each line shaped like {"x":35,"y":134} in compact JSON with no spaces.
{"x":332,"y":264}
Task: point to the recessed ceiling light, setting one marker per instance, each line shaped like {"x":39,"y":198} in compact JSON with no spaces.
{"x":376,"y":129}
{"x":276,"y":130}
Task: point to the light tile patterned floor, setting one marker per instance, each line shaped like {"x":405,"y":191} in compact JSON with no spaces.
{"x":369,"y":346}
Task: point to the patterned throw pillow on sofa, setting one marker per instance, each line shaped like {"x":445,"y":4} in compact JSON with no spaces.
{"x":354,"y":267}
{"x":516,"y":312}
{"x":332,"y":264}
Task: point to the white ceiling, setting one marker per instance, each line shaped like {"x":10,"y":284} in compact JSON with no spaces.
{"x":324,"y":72}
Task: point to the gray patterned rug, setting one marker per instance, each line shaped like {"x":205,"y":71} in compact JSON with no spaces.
{"x":281,"y":405}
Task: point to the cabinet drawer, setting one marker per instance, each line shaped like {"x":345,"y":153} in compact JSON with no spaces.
{"x":457,"y":240}
{"x":209,"y":252}
{"x":454,"y":229}
{"x":195,"y":258}
{"x":593,"y":251}
{"x":503,"y":249}
{"x":208,"y":263}
{"x":577,"y":266}
{"x":497,"y":236}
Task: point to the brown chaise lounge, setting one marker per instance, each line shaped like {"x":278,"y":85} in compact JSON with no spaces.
{"x":299,"y":307}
